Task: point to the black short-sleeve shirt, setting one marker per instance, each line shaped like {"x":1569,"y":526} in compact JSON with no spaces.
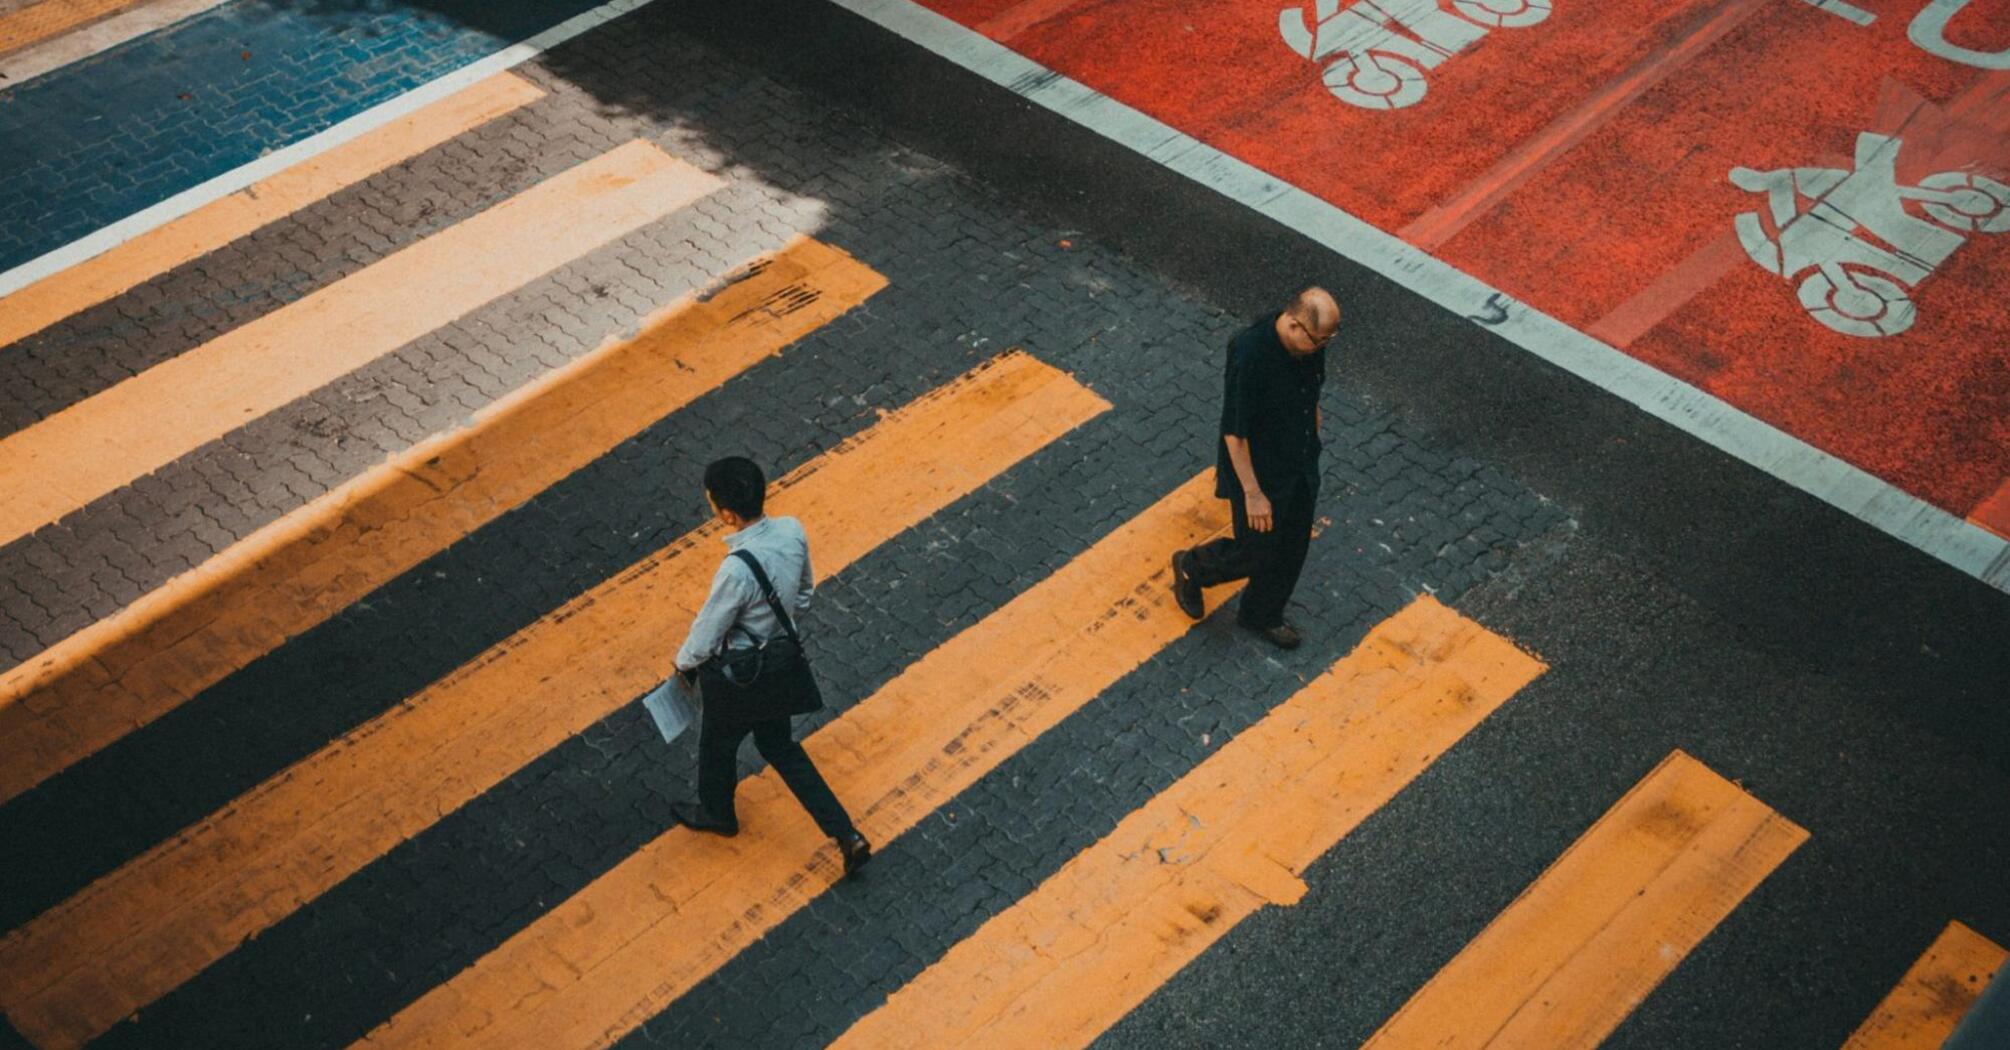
{"x":1271,"y":399}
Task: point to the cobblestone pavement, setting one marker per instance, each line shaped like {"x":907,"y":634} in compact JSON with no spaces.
{"x":222,"y":89}
{"x":272,"y":926}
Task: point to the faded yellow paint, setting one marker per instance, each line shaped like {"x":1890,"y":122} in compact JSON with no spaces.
{"x":155,"y":252}
{"x":144,"y":661}
{"x":596,"y":966}
{"x":46,"y":19}
{"x":158,"y":920}
{"x":1583,"y":945}
{"x":105,"y":441}
{"x":1934,"y":995}
{"x":1070,"y":959}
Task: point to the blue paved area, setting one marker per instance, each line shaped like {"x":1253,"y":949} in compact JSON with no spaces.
{"x":94,"y":142}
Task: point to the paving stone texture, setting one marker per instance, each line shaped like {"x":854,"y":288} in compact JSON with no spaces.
{"x":220,"y":91}
{"x":969,"y":278}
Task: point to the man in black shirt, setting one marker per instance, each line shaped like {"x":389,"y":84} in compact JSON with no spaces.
{"x":1267,"y":465}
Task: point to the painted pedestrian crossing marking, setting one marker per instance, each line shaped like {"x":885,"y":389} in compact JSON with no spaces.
{"x":149,"y":926}
{"x":615,"y":954}
{"x":261,"y":883}
{"x":226,"y":219}
{"x":39,"y":21}
{"x":92,"y":448}
{"x":1935,"y":994}
{"x":1598,"y":931}
{"x":47,"y":44}
{"x":149,"y":658}
{"x":1234,"y":834}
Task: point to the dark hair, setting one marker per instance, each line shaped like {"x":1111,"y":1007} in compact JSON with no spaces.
{"x":737,"y":484}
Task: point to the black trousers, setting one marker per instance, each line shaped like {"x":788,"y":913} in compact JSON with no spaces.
{"x":1270,"y":561}
{"x":718,"y":769}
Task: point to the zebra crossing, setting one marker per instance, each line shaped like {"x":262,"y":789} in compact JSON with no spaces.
{"x":105,"y":441}
{"x":1614,"y":915}
{"x":1232,"y":836}
{"x":1928,"y":1003}
{"x":143,"y":661}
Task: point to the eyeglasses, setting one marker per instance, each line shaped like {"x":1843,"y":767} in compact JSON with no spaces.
{"x":1316,"y":340}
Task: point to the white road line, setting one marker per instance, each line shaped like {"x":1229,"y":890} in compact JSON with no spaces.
{"x":1845,"y":9}
{"x":1965,"y":546}
{"x":232,"y":181}
{"x":81,"y":43}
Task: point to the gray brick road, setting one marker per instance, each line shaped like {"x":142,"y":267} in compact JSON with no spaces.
{"x":968,"y":278}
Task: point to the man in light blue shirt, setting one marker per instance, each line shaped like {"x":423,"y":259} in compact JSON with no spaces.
{"x":737,"y":615}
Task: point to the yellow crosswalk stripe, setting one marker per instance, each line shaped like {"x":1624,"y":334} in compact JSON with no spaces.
{"x":1934,"y":995}
{"x":1583,"y":945}
{"x":131,"y":668}
{"x":155,"y":922}
{"x":43,"y":19}
{"x":95,"y":280}
{"x":1065,"y":963}
{"x":105,"y":441}
{"x":598,"y":965}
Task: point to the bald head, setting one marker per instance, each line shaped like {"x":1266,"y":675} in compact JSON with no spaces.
{"x":1310,"y":320}
{"x":1317,"y":308}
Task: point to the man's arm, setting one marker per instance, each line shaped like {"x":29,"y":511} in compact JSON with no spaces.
{"x":1254,"y":502}
{"x":732,"y":586}
{"x":806,"y":588}
{"x":1238,"y":409}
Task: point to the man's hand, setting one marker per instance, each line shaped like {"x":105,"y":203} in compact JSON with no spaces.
{"x":1257,"y":505}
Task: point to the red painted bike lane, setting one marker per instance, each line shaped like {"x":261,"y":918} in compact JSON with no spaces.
{"x":1797,"y":212}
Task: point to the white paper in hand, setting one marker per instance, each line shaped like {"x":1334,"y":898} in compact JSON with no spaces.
{"x":673,"y":705}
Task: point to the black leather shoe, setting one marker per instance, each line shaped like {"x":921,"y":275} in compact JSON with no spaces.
{"x":1283,"y":636}
{"x":856,"y":852}
{"x":1186,"y":593}
{"x":692,"y":816}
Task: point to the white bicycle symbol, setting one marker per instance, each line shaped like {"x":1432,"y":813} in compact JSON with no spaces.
{"x":1381,"y":49}
{"x":1856,"y":248}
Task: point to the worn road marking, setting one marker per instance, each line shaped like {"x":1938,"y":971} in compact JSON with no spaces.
{"x":35,"y":61}
{"x":39,"y":21}
{"x":1231,"y":836}
{"x":1018,"y":17}
{"x":226,"y":219}
{"x":1442,"y":222}
{"x":136,"y":665}
{"x":1994,"y":513}
{"x":157,"y":921}
{"x":1966,"y":546}
{"x":1583,"y":945}
{"x":91,"y":448}
{"x":619,"y":951}
{"x":105,"y":25}
{"x":1934,"y":995}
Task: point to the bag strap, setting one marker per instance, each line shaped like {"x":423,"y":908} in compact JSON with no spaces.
{"x":768,"y":592}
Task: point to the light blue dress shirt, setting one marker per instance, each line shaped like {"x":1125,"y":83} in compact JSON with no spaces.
{"x":783,"y":550}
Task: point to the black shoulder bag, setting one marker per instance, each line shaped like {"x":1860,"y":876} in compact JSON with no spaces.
{"x":772,"y":679}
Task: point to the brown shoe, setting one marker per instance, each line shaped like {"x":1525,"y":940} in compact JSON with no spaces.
{"x":1283,"y":636}
{"x":1186,"y":593}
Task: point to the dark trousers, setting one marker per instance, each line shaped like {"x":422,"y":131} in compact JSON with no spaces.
{"x":1270,"y":561}
{"x":718,"y":769}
